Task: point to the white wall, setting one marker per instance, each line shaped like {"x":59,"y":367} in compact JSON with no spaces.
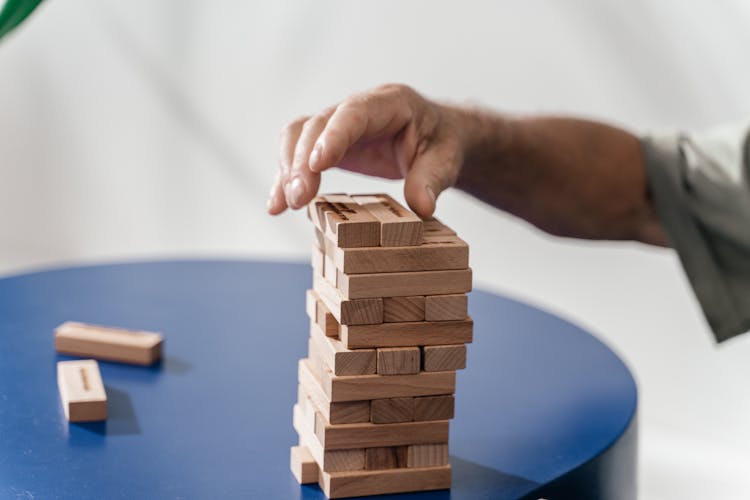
{"x":139,"y":129}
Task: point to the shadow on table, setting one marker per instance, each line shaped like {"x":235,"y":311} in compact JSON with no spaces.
{"x":172,"y":364}
{"x":121,"y":417}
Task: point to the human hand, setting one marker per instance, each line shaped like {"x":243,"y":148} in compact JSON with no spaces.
{"x":390,"y":131}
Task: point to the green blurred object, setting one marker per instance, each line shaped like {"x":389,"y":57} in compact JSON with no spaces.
{"x":14,"y":12}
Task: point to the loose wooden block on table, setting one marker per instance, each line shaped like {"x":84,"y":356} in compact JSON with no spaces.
{"x":304,"y":467}
{"x":81,"y":390}
{"x":112,"y":344}
{"x":386,"y":457}
{"x":364,"y":286}
{"x":359,"y":387}
{"x":446,"y":307}
{"x":345,"y":412}
{"x":340,"y":360}
{"x":398,"y":360}
{"x":417,"y":333}
{"x":434,"y":408}
{"x":391,"y":410}
{"x":427,"y":455}
{"x":344,"y":222}
{"x":402,"y":309}
{"x":381,"y":482}
{"x":348,"y":312}
{"x":319,"y":313}
{"x":398,"y":226}
{"x":438,"y":358}
{"x":435,"y":253}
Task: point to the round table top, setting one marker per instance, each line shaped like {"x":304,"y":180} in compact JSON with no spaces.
{"x":539,"y":396}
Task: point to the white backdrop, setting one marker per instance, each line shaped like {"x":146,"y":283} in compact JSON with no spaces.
{"x":139,"y":129}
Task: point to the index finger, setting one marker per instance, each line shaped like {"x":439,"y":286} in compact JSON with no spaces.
{"x":383,"y":111}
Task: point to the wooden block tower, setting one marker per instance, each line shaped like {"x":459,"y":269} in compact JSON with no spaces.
{"x":388,"y":330}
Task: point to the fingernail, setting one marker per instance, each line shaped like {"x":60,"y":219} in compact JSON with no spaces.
{"x":315,"y":156}
{"x":269,"y":202}
{"x":296,"y":191}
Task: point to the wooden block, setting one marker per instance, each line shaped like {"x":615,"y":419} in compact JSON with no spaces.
{"x":303,"y":466}
{"x":330,"y":273}
{"x":435,"y":253}
{"x":398,"y":226}
{"x":417,"y":333}
{"x":439,"y":358}
{"x":364,"y":286}
{"x":348,"y":312}
{"x":427,"y":455}
{"x":347,"y":412}
{"x":434,"y":408}
{"x":112,"y":344}
{"x":318,"y":312}
{"x":398,"y":360}
{"x":317,"y":260}
{"x":386,"y":457}
{"x":343,"y":361}
{"x":367,"y":435}
{"x":381,"y":482}
{"x":433,"y":227}
{"x":402,"y":309}
{"x":327,"y":460}
{"x":343,"y":460}
{"x":446,"y":307}
{"x":359,"y":387}
{"x":391,"y":410}
{"x":81,"y":390}
{"x":344,"y":222}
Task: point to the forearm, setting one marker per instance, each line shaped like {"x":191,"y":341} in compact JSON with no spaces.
{"x":567,"y":176}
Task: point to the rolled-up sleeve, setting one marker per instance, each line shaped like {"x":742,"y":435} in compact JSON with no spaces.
{"x":700,"y":185}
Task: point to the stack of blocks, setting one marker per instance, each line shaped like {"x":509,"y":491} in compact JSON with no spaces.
{"x":388,"y":330}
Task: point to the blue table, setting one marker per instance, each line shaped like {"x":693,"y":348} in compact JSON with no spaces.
{"x":543,"y":408}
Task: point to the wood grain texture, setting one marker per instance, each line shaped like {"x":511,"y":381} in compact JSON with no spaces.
{"x":364,"y":286}
{"x":386,"y":457}
{"x":348,"y":312}
{"x":418,"y":333}
{"x":346,"y":412}
{"x":446,"y":307}
{"x":391,"y":410}
{"x":112,"y":344}
{"x":368,"y":435}
{"x":81,"y":390}
{"x":398,"y":225}
{"x":354,"y":388}
{"x":402,"y":309}
{"x":317,"y":311}
{"x":435,"y":253}
{"x":398,"y":360}
{"x":433,"y":227}
{"x":330,"y":273}
{"x":343,"y":221}
{"x":438,"y":358}
{"x":427,"y":455}
{"x":380,"y":482}
{"x":303,"y":465}
{"x":343,"y":460}
{"x":339,"y":359}
{"x":434,"y":408}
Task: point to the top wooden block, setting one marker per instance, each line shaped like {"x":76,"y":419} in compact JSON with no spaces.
{"x":365,"y":221}
{"x":344,"y":221}
{"x":399,"y":227}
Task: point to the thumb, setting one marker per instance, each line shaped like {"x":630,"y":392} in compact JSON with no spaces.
{"x":431,"y":173}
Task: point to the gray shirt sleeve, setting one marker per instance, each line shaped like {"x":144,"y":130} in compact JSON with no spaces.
{"x":700,"y":184}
